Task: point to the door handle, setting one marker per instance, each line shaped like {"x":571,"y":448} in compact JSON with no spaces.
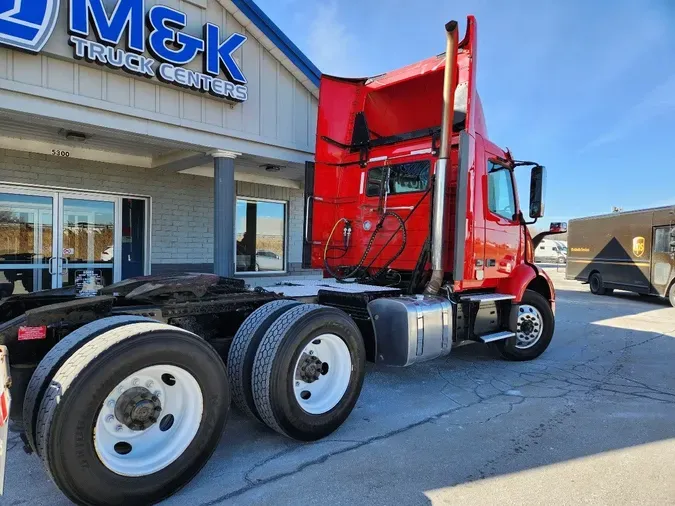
{"x":64,"y":265}
{"x":52,"y":269}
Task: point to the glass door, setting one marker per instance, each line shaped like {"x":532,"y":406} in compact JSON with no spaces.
{"x":54,"y":239}
{"x":89,"y":241}
{"x":27,"y":247}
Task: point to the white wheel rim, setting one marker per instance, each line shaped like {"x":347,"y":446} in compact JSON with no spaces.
{"x":319,"y":396}
{"x":153,"y":449}
{"x":530,"y":327}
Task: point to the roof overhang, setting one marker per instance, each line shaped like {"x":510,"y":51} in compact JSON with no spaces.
{"x":258,"y":24}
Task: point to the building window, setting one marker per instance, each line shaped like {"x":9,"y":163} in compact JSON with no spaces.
{"x":501,"y":196}
{"x":403,"y":178}
{"x":261,"y":236}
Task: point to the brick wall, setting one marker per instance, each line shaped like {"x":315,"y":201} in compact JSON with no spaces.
{"x":182,"y":205}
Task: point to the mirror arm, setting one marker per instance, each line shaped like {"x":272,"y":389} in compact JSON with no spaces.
{"x":522,"y":219}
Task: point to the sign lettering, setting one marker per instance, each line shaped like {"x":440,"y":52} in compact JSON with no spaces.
{"x":28,"y":25}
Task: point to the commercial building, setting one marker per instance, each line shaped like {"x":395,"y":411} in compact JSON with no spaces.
{"x":142,"y":136}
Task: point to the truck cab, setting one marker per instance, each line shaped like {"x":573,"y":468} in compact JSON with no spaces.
{"x":408,"y":191}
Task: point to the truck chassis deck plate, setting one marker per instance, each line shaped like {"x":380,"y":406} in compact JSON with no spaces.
{"x":311,"y":288}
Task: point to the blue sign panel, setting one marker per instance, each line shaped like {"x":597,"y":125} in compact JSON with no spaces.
{"x":27,"y":24}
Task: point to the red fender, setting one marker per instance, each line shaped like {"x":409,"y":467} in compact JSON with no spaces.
{"x":520,"y":279}
{"x":517,"y":282}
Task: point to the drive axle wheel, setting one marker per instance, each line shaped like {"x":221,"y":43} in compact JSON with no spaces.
{"x":244,"y":347}
{"x":308,"y":372}
{"x":322,"y":374}
{"x":141,"y":429}
{"x":55,"y":358}
{"x":133,"y":415}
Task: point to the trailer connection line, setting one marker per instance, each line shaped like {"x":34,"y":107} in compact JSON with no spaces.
{"x":401,"y":226}
{"x":355,"y":270}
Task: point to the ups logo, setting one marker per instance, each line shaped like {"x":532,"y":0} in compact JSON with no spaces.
{"x":639,"y":246}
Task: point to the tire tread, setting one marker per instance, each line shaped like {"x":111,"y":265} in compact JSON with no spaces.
{"x":264,"y":361}
{"x":240,"y":346}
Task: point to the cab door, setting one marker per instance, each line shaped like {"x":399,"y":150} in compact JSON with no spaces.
{"x":502,"y":227}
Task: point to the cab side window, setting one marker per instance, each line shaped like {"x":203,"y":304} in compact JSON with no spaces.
{"x":403,"y":178}
{"x":501,"y":196}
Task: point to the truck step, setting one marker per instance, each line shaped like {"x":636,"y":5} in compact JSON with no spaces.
{"x":486,"y":297}
{"x":498,"y":336}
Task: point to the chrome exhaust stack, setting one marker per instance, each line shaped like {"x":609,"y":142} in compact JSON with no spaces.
{"x":438,"y":219}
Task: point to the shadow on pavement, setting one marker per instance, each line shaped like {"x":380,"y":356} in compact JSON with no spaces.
{"x":422,"y":431}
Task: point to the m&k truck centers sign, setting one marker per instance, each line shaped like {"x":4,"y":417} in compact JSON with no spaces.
{"x":28,"y":25}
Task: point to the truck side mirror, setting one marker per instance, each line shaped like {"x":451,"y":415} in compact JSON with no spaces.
{"x":537,"y":189}
{"x":558,"y":227}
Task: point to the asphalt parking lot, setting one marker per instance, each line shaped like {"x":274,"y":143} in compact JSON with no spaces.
{"x":592,"y":421}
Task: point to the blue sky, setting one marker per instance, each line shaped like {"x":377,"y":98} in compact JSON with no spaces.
{"x":586,"y":88}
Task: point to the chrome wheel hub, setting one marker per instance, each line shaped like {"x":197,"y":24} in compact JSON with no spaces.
{"x":530,"y":327}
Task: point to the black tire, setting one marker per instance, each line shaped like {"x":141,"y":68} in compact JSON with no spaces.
{"x":273,"y":371}
{"x":507,"y":348}
{"x":71,"y":405}
{"x":55,"y":358}
{"x":244,"y":347}
{"x":596,"y":285}
{"x":671,"y":295}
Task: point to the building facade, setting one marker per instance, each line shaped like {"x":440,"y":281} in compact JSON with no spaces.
{"x":150,"y":136}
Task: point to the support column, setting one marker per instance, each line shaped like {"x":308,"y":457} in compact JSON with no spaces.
{"x":224,"y":213}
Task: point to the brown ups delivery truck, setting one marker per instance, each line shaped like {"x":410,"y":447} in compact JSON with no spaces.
{"x":632,"y":251}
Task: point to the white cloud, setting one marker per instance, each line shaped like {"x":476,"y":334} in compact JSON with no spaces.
{"x":330,"y":45}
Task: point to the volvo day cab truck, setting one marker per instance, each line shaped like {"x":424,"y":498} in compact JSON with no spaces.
{"x":632,"y":251}
{"x":414,"y":216}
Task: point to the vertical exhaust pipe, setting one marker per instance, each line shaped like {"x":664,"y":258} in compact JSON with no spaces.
{"x":438,"y":220}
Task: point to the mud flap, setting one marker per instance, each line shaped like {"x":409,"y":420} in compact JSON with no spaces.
{"x":5,"y":401}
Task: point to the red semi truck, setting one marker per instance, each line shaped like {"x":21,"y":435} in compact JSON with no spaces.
{"x":412,"y":213}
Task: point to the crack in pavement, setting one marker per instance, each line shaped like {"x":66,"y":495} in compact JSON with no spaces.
{"x":541,"y":377}
{"x":324,"y":458}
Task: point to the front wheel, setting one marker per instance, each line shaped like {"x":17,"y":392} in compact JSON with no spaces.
{"x":133,"y":415}
{"x":671,"y":295}
{"x":534,"y":330}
